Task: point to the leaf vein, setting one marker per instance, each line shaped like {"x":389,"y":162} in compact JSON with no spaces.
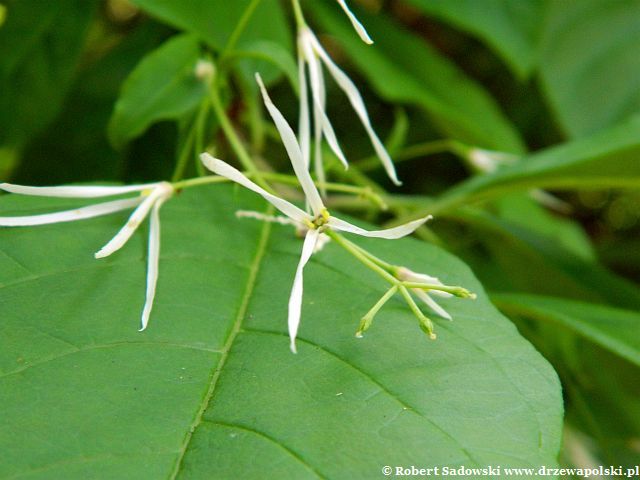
{"x":235,"y":329}
{"x":106,"y":345}
{"x":270,"y":439}
{"x":382,"y":388}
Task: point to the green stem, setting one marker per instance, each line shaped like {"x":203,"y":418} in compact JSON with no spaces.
{"x":240,"y":27}
{"x":358,"y":253}
{"x":371,"y":256}
{"x":453,"y":290}
{"x":200,"y":137}
{"x":335,"y":187}
{"x":297,"y":11}
{"x":234,"y":140}
{"x":425,"y":322}
{"x":418,"y":150}
{"x":366,"y":321}
{"x":194,"y":182}
{"x":186,"y":151}
{"x":256,"y":123}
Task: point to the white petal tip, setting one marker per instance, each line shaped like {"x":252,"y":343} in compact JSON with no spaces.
{"x":293,"y":347}
{"x":100,"y":254}
{"x":142,"y":328}
{"x":207,"y":160}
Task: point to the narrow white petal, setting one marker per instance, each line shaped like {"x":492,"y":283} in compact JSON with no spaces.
{"x":347,"y":86}
{"x":424,"y":296}
{"x":407,"y":275}
{"x":440,"y":293}
{"x":424,"y":278}
{"x":75,"y":192}
{"x":265,"y":218}
{"x":138,"y":215}
{"x":294,"y":152}
{"x":550,"y":201}
{"x":319,"y":100}
{"x":225,"y":170}
{"x":356,"y":23}
{"x":152,"y":262}
{"x":71,"y":215}
{"x":320,"y":175}
{"x":295,"y":300}
{"x":303,"y":121}
{"x":321,"y":121}
{"x":389,"y":233}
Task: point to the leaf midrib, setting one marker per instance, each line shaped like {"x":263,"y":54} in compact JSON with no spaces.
{"x":237,"y":324}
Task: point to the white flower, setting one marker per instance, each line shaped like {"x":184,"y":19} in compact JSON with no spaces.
{"x":487,"y":161}
{"x":315,"y":223}
{"x":151,"y":198}
{"x":357,"y":26}
{"x":313,"y":56}
{"x":406,"y":275}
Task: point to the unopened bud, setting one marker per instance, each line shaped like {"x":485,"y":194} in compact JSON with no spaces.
{"x":365,"y":323}
{"x":205,"y":70}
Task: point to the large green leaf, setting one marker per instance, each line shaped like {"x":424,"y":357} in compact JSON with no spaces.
{"x":214,"y":21}
{"x":589,"y":62}
{"x":524,"y":210}
{"x":614,"y":329}
{"x":40,"y":46}
{"x":608,"y":159}
{"x":163,"y":86}
{"x":510,"y":28}
{"x":403,"y":68}
{"x":521,"y":258}
{"x":210,"y":389}
{"x":83,"y":153}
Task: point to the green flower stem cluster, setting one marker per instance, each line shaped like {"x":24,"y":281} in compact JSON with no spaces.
{"x":309,"y":54}
{"x":392,"y":274}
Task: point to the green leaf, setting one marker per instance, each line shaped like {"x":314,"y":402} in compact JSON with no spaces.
{"x":210,"y":389}
{"x":612,"y":328}
{"x":220,"y":23}
{"x":163,"y":86}
{"x":262,"y":52}
{"x":524,"y":210}
{"x":510,"y":28}
{"x":403,"y":68}
{"x":214,"y":21}
{"x":40,"y":47}
{"x":589,"y":63}
{"x":521,"y":258}
{"x":74,"y":147}
{"x":608,"y":159}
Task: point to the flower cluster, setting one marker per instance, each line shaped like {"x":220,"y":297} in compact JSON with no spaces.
{"x":311,"y":58}
{"x":150,"y":199}
{"x":316,"y":222}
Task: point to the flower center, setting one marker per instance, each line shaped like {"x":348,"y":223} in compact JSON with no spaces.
{"x":319,"y":222}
